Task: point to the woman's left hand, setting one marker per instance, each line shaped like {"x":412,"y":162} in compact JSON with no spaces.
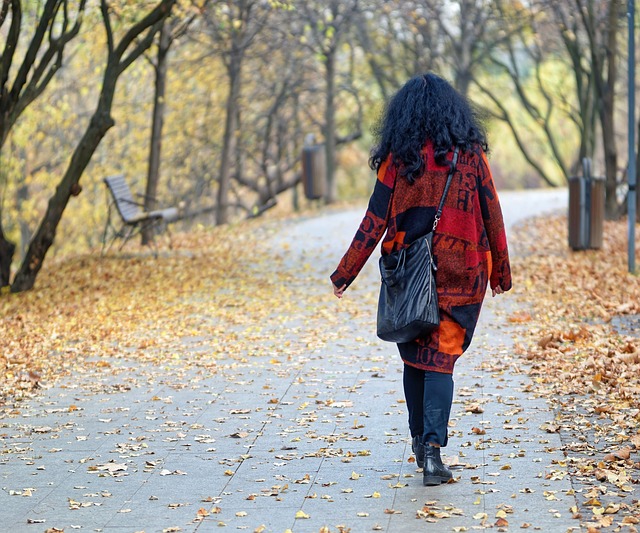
{"x":496,"y":290}
{"x":339,"y":291}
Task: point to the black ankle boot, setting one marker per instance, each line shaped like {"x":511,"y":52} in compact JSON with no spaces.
{"x":434,"y":472}
{"x":418,"y":450}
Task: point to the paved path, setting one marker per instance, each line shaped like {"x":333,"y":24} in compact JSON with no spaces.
{"x":285,"y":437}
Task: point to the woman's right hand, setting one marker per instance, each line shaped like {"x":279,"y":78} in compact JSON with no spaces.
{"x":339,"y":291}
{"x":496,"y":290}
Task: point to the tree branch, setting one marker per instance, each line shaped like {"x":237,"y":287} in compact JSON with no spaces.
{"x":141,"y":45}
{"x":4,"y":11}
{"x":48,"y":15}
{"x":151,"y":20}
{"x":104,"y":9}
{"x":11,"y":43}
{"x":505,"y":117}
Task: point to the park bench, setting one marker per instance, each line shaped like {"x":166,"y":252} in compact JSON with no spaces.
{"x":132,"y":218}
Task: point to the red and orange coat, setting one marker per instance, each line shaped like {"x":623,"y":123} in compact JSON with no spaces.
{"x":470,"y":246}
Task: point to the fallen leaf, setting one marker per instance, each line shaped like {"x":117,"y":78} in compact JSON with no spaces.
{"x":474,"y":408}
{"x":620,"y":455}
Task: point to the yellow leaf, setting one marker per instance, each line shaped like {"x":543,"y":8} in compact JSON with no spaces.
{"x":302,"y":515}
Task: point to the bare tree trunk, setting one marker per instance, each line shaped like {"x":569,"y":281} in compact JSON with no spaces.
{"x":7,"y":249}
{"x":222,"y":214}
{"x":605,"y":90}
{"x":155,"y":150}
{"x":610,"y":159}
{"x":463,"y":47}
{"x":69,"y":186}
{"x":372,"y":57}
{"x":22,"y":195}
{"x":330,"y":127}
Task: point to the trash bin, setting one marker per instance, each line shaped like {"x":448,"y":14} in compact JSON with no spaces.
{"x":314,"y":171}
{"x":586,"y":210}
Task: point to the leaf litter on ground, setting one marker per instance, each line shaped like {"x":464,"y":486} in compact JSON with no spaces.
{"x":587,"y":368}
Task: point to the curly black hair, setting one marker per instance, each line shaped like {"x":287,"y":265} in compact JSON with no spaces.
{"x":426,"y":108}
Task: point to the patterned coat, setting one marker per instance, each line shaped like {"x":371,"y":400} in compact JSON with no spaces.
{"x":470,"y":246}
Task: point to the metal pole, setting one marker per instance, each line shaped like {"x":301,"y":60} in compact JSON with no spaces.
{"x":631,"y":197}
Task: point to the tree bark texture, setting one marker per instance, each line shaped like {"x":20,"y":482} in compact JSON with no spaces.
{"x":330,"y":126}
{"x":463,"y":47}
{"x":605,"y":64}
{"x":7,"y":249}
{"x":155,"y":150}
{"x":45,"y":235}
{"x":228,"y":143}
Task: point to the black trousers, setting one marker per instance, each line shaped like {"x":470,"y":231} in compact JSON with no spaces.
{"x":429,"y":396}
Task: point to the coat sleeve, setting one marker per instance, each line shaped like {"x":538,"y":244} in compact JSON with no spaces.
{"x":494,"y":227}
{"x":372,"y":227}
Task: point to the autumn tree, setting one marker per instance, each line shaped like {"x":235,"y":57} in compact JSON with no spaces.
{"x":583,"y":35}
{"x":172,"y":29}
{"x":268,"y":156}
{"x":522,"y":64}
{"x":120,"y":54}
{"x":271,"y":102}
{"x":231,"y":28}
{"x":328,"y":24}
{"x":600,"y":22}
{"x":28,"y":63}
{"x":399,"y":39}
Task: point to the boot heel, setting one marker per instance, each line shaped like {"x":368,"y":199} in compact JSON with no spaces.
{"x":430,"y":481}
{"x":434,"y":472}
{"x":418,"y":450}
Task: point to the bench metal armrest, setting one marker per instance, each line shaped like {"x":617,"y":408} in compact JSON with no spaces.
{"x":126,"y":200}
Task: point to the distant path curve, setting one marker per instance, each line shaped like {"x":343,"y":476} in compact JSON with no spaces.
{"x":333,"y":231}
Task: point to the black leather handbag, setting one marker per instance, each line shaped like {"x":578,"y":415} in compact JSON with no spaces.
{"x":408,"y":302}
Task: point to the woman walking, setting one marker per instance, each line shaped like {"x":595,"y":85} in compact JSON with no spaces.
{"x":416,"y":136}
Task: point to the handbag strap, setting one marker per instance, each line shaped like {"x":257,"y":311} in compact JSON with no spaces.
{"x":446,"y":189}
